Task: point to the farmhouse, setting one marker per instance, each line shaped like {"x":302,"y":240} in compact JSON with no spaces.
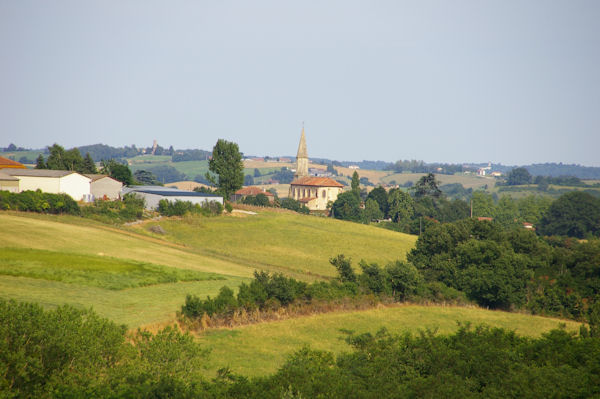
{"x":252,"y":191}
{"x":104,"y":187}
{"x":153,"y":194}
{"x":52,"y":181}
{"x":314,"y":192}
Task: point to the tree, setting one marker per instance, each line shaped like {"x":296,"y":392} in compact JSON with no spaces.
{"x":372,"y":211}
{"x":256,"y":172}
{"x":400,"y":205}
{"x":381,"y":196}
{"x":73,"y":160}
{"x":40,"y":163}
{"x":355,"y":185}
{"x":248,"y":180}
{"x":483,"y":205}
{"x":574,"y":214}
{"x":146,"y":177}
{"x":89,"y":166}
{"x":518,"y":176}
{"x":347,"y":207}
{"x":117,"y":171}
{"x":226,"y":163}
{"x":427,"y":186}
{"x":56,"y":159}
{"x":344,"y":268}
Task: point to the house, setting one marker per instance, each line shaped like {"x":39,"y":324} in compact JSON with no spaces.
{"x":314,"y":192}
{"x":6,"y":163}
{"x":252,"y":191}
{"x":104,"y":187}
{"x":153,"y":194}
{"x":52,"y":181}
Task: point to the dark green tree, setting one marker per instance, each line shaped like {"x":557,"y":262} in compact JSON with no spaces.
{"x":248,"y":180}
{"x":372,"y":211}
{"x":89,"y":166}
{"x":256,"y":172}
{"x":381,"y":196}
{"x":574,"y":214}
{"x":226,"y":163}
{"x":400,"y":205}
{"x":40,"y":163}
{"x":344,"y":268}
{"x":117,"y":171}
{"x":427,"y":186}
{"x":73,"y":160}
{"x":355,"y":184}
{"x":518,"y":176}
{"x":347,"y":207}
{"x":56,"y":159}
{"x":146,"y":177}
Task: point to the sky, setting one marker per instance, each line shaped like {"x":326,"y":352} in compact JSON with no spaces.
{"x":507,"y":81}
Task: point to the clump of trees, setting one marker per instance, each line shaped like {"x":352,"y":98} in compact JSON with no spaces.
{"x":59,"y":159}
{"x":131,"y":208}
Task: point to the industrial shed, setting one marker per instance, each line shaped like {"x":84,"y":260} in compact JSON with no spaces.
{"x":52,"y":181}
{"x":153,"y":194}
{"x":104,"y":187}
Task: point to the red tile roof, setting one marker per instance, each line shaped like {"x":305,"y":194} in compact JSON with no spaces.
{"x":9,"y":163}
{"x":316,"y":181}
{"x":253,"y":191}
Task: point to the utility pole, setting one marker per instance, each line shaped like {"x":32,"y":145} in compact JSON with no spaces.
{"x":471,"y":208}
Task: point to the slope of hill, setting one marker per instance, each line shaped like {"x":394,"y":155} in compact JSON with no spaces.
{"x":261,"y":348}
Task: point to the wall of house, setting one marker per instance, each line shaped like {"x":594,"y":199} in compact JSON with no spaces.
{"x":76,"y":186}
{"x":9,"y":185}
{"x":45,"y":184}
{"x":106,"y":187}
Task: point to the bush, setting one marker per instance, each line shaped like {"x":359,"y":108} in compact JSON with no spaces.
{"x":37,"y":201}
{"x":180,"y":208}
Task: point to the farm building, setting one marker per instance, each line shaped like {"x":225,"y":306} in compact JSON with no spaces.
{"x":153,"y":194}
{"x":52,"y":181}
{"x":104,"y":187}
{"x":6,"y":163}
{"x":252,"y":191}
{"x":9,"y":183}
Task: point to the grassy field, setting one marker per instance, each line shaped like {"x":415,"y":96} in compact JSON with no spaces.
{"x":262,"y":348}
{"x":92,"y":270}
{"x":285,"y":241}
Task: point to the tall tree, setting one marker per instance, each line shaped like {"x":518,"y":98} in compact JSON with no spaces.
{"x":89,"y":166}
{"x":40,"y":163}
{"x":574,"y":214}
{"x":400,"y":205}
{"x":518,"y":176}
{"x":117,"y":171}
{"x":380,"y":195}
{"x":56,"y":159}
{"x":427,"y":186}
{"x":226,"y":163}
{"x":355,"y":185}
{"x":73,"y":160}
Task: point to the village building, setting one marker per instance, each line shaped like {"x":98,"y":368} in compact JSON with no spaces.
{"x":251,"y":191}
{"x":153,"y":194}
{"x":8,"y":183}
{"x":6,"y":163}
{"x":314,"y":192}
{"x":52,"y":181}
{"x":104,"y":187}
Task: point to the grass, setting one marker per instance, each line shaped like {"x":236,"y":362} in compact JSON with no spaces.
{"x":468,"y":181}
{"x":92,"y":270}
{"x":134,"y":307}
{"x":286,"y":241}
{"x":262,"y":348}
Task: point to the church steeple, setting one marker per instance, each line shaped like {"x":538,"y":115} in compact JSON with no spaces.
{"x":302,"y":157}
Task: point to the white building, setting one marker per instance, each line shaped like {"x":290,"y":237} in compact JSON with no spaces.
{"x":153,"y":194}
{"x":104,"y":187}
{"x":53,"y":181}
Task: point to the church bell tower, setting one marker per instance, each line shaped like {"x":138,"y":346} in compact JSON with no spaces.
{"x":302,"y":157}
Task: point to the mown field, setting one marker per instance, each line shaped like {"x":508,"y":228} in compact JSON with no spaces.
{"x":137,"y":278}
{"x":261,"y":348}
{"x":284,"y":241}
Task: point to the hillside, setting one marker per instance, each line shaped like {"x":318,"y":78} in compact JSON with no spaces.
{"x":260,"y":349}
{"x":229,"y":248}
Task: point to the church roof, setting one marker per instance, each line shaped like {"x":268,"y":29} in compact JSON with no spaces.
{"x":316,"y":181}
{"x":302,"y":153}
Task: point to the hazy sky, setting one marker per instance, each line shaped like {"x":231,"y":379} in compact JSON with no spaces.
{"x":510,"y":81}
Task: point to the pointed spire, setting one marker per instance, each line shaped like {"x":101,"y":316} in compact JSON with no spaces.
{"x":302,"y":153}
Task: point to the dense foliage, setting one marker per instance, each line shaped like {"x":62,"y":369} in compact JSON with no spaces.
{"x":37,"y":201}
{"x":180,"y":208}
{"x":74,"y":353}
{"x":131,"y":208}
{"x":226,"y":163}
{"x":575,"y":214}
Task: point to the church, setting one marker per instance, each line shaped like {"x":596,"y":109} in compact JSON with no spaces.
{"x":314,"y":192}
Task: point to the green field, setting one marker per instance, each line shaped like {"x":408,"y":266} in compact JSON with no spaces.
{"x":261,"y":348}
{"x":137,"y":278}
{"x":285,"y":241}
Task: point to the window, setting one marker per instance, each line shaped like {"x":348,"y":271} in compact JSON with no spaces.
{"x":324,"y":194}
